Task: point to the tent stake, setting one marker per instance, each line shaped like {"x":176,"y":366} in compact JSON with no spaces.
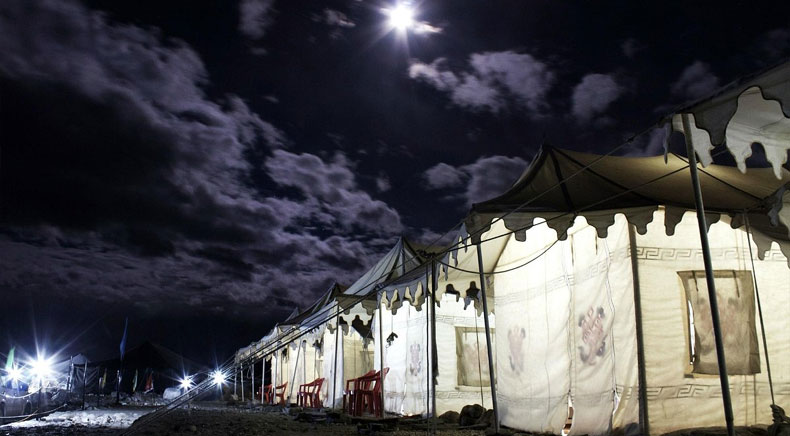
{"x":644,"y":427}
{"x":488,"y":336}
{"x":714,"y":305}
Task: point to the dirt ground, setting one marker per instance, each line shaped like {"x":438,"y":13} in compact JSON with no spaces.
{"x":212,"y":419}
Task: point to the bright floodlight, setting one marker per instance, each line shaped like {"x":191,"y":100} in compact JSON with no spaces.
{"x":401,"y":17}
{"x":186,"y":383}
{"x":40,"y":368}
{"x":218,"y":377}
{"x":15,"y":373}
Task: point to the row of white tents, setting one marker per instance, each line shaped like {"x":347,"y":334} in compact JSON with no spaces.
{"x":595,"y":269}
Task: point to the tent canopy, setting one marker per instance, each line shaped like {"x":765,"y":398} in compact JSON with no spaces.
{"x":753,"y":109}
{"x":560,"y":184}
{"x":401,"y":258}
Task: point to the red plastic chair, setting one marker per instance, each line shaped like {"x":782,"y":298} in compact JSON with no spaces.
{"x":349,"y":394}
{"x":301,"y":394}
{"x":315,"y":394}
{"x":268,"y":394}
{"x":363,"y":393}
{"x":281,"y":394}
{"x":370,"y":399}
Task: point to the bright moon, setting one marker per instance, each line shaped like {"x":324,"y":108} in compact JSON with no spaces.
{"x":401,"y":17}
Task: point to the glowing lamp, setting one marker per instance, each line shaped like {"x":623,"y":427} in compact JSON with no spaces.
{"x":218,"y":377}
{"x":186,"y":383}
{"x":15,"y":373}
{"x":40,"y":368}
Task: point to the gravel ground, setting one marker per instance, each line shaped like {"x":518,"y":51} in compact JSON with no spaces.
{"x":220,"y":420}
{"x":240,"y":422}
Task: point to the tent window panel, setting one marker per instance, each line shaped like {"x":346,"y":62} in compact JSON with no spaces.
{"x":472,"y":361}
{"x":735,"y":294}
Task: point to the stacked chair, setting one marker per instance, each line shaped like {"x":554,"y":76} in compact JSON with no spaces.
{"x":309,"y":394}
{"x":363,"y":394}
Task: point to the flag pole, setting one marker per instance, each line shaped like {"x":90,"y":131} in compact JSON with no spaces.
{"x":714,"y":305}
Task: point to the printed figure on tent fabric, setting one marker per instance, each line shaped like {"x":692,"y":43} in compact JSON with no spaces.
{"x":415,"y":364}
{"x":593,"y":336}
{"x":515,"y":339}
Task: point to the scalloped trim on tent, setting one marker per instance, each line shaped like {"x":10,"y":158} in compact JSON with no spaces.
{"x":755,"y":111}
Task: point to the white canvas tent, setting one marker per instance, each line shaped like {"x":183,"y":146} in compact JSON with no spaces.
{"x":311,"y":334}
{"x":579,"y":255}
{"x":427,"y":376}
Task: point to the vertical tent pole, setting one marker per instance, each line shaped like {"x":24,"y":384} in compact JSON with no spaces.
{"x":434,"y":287}
{"x":759,"y":307}
{"x":252,"y":368}
{"x":263,"y":377}
{"x":488,"y":335}
{"x":427,"y":346}
{"x":381,"y":355}
{"x":296,"y":368}
{"x":334,"y":370}
{"x":640,"y":344}
{"x":241,"y":377}
{"x":71,"y":370}
{"x":275,"y":382}
{"x":235,"y":375}
{"x":714,"y":305}
{"x":84,"y":383}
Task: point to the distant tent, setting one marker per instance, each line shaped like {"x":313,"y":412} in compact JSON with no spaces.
{"x":310,"y":333}
{"x":163,"y":366}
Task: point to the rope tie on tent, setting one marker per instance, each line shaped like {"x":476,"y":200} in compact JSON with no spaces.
{"x":479,"y":367}
{"x":509,"y":269}
{"x":611,"y":325}
{"x":759,"y":308}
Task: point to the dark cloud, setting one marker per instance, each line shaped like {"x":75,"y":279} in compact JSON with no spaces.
{"x":696,"y":81}
{"x":334,"y":18}
{"x":255,"y":17}
{"x":492,"y":80}
{"x":335,"y":198}
{"x":124,"y":181}
{"x":443,"y":175}
{"x":593,"y":95}
{"x":631,"y":47}
{"x":383,"y":183}
{"x":481,"y":180}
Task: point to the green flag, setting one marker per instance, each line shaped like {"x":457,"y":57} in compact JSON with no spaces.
{"x":9,"y":363}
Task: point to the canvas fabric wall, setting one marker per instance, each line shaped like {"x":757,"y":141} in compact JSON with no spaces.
{"x":405,"y":387}
{"x":462,"y":376}
{"x":462,"y":372}
{"x":683,"y":389}
{"x":333,"y":381}
{"x":565,"y":331}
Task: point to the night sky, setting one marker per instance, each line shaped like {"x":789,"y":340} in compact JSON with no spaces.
{"x":204,"y":167}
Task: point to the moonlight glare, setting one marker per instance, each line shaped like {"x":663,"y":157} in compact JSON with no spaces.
{"x":401,"y":17}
